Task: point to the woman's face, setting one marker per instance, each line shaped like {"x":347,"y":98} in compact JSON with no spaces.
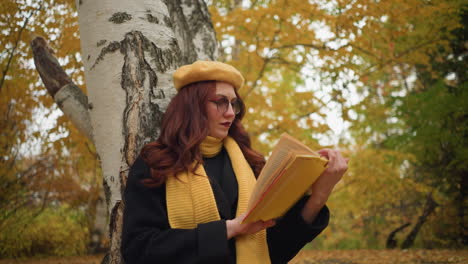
{"x":220,"y":118}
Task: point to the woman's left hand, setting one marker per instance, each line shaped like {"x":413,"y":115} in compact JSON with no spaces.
{"x":322,"y":188}
{"x":235,"y":227}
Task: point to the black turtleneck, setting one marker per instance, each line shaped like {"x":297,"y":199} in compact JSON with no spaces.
{"x":224,"y":183}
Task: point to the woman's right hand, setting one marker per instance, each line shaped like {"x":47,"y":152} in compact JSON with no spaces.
{"x":236,"y":228}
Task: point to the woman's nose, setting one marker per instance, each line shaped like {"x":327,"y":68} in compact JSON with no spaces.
{"x":230,"y":111}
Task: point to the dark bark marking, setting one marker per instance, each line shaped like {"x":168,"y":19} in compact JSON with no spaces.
{"x":113,"y":217}
{"x":136,"y":71}
{"x":107,"y":192}
{"x":187,"y":26}
{"x":181,"y":27}
{"x":210,"y":46}
{"x":138,"y":52}
{"x":152,"y":19}
{"x":200,"y":19}
{"x":165,"y":59}
{"x":52,"y":74}
{"x":77,"y":94}
{"x":159,"y":94}
{"x":120,"y":17}
{"x":110,"y":48}
{"x":123,"y":180}
{"x":101,"y":42}
{"x":167,"y":21}
{"x":115,"y":227}
{"x":89,"y":57}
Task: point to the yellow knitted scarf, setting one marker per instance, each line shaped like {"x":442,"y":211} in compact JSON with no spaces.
{"x":190,"y":199}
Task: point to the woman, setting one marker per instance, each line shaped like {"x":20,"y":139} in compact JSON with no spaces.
{"x":187,"y":193}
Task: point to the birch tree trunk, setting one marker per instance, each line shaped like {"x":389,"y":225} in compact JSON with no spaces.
{"x":130,"y":50}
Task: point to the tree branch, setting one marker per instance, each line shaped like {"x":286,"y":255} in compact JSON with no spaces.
{"x":391,"y":241}
{"x":12,"y":53}
{"x":69,"y":97}
{"x":265,"y":60}
{"x":429,"y":208}
{"x":307,"y":45}
{"x":259,"y":76}
{"x":379,"y":66}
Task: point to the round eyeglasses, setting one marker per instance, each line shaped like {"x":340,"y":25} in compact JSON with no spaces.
{"x":222,"y":105}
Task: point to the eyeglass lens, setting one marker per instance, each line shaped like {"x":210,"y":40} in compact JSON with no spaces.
{"x":223,"y":104}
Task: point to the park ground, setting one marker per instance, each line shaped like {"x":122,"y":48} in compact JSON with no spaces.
{"x":315,"y":257}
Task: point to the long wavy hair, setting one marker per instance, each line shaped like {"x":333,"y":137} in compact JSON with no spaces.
{"x":184,"y":127}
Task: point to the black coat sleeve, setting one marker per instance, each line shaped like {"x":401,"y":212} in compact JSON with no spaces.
{"x":291,"y":233}
{"x":147,"y":236}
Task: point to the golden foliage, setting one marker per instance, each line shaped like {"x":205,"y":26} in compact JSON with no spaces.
{"x":354,"y":50}
{"x":44,"y":160}
{"x":58,"y":231}
{"x":277,"y":44}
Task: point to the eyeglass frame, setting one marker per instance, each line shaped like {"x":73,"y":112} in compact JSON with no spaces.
{"x":219,"y":104}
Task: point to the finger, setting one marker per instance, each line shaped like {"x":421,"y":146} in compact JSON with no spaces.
{"x":331,"y":157}
{"x":264,"y":225}
{"x":324,"y":152}
{"x":339,"y":155}
{"x":241,"y":219}
{"x":267,"y":224}
{"x":340,"y":160}
{"x":273,"y":223}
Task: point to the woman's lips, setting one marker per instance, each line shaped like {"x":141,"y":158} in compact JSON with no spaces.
{"x":226,"y":124}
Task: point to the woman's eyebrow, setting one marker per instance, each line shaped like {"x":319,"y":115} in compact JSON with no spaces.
{"x":222,"y":95}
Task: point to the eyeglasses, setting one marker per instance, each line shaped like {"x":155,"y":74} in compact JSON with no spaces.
{"x":222,"y":105}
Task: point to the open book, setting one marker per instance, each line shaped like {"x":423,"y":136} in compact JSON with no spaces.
{"x":285,"y":178}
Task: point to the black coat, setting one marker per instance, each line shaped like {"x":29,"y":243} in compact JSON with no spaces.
{"x":148,"y":238}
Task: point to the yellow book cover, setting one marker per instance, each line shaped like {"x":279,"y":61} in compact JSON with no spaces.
{"x":289,"y":172}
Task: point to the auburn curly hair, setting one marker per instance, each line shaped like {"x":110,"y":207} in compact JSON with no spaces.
{"x":184,"y":127}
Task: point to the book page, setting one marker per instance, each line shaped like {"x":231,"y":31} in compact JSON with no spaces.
{"x":269,"y":173}
{"x":288,"y":142}
{"x":282,"y":155}
{"x":287,"y":188}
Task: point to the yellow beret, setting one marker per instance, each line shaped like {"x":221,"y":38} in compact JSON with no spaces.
{"x":207,"y":71}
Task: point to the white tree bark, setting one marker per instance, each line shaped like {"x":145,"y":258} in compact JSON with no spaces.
{"x":73,"y":102}
{"x":130,"y":50}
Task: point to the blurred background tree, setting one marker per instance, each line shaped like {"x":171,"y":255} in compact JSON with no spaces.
{"x":49,"y":176}
{"x":392,"y":74}
{"x":423,"y":106}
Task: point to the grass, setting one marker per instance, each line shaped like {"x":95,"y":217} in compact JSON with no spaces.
{"x":362,"y":256}
{"x":414,"y":256}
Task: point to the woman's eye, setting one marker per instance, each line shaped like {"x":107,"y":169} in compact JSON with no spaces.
{"x":223,"y":101}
